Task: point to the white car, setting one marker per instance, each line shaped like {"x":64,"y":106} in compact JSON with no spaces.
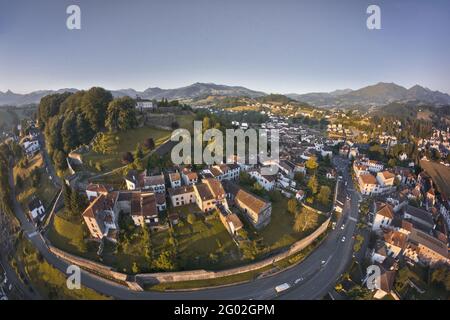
{"x":343,"y":239}
{"x":298,"y":280}
{"x":343,"y":227}
{"x":282,"y":287}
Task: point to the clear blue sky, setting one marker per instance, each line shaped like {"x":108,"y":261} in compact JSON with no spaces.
{"x":274,"y":46}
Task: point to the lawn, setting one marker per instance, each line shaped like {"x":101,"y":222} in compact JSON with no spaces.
{"x":279,"y":232}
{"x":113,"y":145}
{"x":69,"y":234}
{"x":49,"y":282}
{"x":186,"y":121}
{"x":204,"y":244}
{"x":46,"y":191}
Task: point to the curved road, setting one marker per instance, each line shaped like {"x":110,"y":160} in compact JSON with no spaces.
{"x":315,"y":276}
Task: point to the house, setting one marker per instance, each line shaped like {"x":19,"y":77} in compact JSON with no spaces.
{"x":386,"y":283}
{"x":155,"y":184}
{"x":265,"y":181}
{"x":373,"y":165}
{"x":225,"y":172}
{"x":36,"y":210}
{"x":405,"y":176}
{"x":143,"y":104}
{"x":182,"y":195}
{"x":144,"y":210}
{"x":395,"y":242}
{"x":101,"y":217}
{"x":93,"y":191}
{"x":428,"y":249}
{"x":385,"y":179}
{"x":230,"y":220}
{"x":300,"y":195}
{"x":360,"y":169}
{"x":403,"y":156}
{"x":353,"y":153}
{"x":300,"y":168}
{"x":140,"y":181}
{"x":419,"y":217}
{"x":383,"y":217}
{"x":209,"y":194}
{"x":175,"y":180}
{"x":189,"y":177}
{"x":132,"y":180}
{"x":287,"y":167}
{"x":161,"y":203}
{"x":326,"y":153}
{"x":368,"y":184}
{"x":257,"y":210}
{"x":30,"y":147}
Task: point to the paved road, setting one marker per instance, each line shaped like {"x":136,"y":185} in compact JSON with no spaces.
{"x":317,"y":277}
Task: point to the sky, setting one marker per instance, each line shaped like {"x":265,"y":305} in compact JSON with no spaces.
{"x":276,"y":46}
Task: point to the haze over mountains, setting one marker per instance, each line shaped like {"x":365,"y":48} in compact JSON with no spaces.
{"x":371,"y":96}
{"x":375,"y":95}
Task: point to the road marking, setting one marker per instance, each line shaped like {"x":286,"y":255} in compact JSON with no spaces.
{"x":353,"y":219}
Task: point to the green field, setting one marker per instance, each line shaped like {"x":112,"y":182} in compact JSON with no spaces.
{"x":46,"y":191}
{"x":48,"y":281}
{"x":69,"y":235}
{"x":115,"y":144}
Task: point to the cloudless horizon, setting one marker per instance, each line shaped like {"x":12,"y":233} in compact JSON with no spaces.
{"x":272,"y":46}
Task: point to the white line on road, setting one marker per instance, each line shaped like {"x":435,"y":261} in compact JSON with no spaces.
{"x":353,"y":219}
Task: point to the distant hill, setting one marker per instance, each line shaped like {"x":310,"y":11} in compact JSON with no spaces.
{"x":193,"y":91}
{"x":373,"y":96}
{"x":365,"y":98}
{"x":438,"y":115}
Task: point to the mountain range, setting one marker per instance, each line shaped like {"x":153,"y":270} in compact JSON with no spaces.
{"x":371,"y":96}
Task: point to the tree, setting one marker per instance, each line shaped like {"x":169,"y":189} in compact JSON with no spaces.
{"x":127,"y":158}
{"x":305,"y":220}
{"x":324,"y":195}
{"x":67,"y":195}
{"x":206,"y":123}
{"x":313,"y":184}
{"x":312,"y":164}
{"x":35,"y":177}
{"x":19,"y":182}
{"x":134,"y":268}
{"x":165,"y":261}
{"x":149,"y":144}
{"x":77,"y":203}
{"x":441,"y":275}
{"x":94,"y":105}
{"x":138,"y":153}
{"x":121,"y":114}
{"x":298,"y":177}
{"x":191,"y":218}
{"x":292,"y":206}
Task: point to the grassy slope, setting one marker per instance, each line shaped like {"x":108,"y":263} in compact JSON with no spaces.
{"x":50,"y":282}
{"x":46,"y":190}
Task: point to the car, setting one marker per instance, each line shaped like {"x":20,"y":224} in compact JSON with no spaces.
{"x":343,"y":239}
{"x":343,"y":227}
{"x":323,"y":262}
{"x":333,"y":226}
{"x":298,"y":280}
{"x":282,"y":287}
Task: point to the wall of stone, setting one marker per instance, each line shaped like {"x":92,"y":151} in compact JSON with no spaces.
{"x":165,"y":277}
